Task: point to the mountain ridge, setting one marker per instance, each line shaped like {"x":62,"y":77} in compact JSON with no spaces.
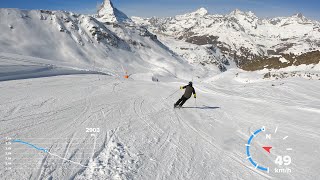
{"x":84,"y":42}
{"x":242,"y":36}
{"x":108,"y":13}
{"x":217,"y":42}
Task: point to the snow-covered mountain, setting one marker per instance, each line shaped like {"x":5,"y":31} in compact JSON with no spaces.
{"x":66,"y":112}
{"x":242,"y":36}
{"x":108,"y":42}
{"x":111,"y":42}
{"x":108,"y":13}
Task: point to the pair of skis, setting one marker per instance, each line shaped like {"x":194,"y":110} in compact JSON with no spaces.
{"x":177,"y":106}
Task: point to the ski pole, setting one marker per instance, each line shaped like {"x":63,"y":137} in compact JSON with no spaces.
{"x":195,"y":101}
{"x":172,"y":94}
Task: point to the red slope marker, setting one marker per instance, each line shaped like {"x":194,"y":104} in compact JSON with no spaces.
{"x":267,"y":148}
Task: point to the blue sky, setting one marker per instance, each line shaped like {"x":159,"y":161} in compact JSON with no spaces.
{"x":163,"y":8}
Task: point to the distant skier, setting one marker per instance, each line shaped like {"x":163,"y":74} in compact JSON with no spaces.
{"x":187,"y":94}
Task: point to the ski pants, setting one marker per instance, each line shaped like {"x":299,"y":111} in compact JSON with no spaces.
{"x":181,"y":101}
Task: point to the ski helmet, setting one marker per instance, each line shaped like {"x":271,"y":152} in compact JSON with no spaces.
{"x":190,"y":83}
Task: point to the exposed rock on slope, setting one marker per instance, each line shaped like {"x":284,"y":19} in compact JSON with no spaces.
{"x":242,"y":36}
{"x":86,"y":42}
{"x":108,"y":13}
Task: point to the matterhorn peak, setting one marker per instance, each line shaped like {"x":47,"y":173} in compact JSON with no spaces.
{"x":108,"y":13}
{"x":202,"y":11}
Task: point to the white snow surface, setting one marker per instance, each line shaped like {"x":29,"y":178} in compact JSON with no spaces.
{"x":63,"y":94}
{"x":205,"y":57}
{"x":283,"y":60}
{"x":141,"y":136}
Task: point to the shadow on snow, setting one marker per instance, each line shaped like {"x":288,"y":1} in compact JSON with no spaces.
{"x":203,"y":107}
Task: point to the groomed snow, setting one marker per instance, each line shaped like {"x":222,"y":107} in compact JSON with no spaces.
{"x":141,"y":136}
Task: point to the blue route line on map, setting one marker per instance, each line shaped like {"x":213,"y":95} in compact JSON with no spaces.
{"x":31,"y":145}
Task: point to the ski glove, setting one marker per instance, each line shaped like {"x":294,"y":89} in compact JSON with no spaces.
{"x":181,"y":87}
{"x":195,"y":95}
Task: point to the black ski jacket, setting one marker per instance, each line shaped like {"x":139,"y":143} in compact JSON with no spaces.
{"x":189,"y":91}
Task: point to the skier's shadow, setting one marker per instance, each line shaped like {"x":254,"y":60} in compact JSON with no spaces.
{"x":202,"y":107}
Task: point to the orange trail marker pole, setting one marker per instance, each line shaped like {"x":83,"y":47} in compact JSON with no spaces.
{"x":126,"y":76}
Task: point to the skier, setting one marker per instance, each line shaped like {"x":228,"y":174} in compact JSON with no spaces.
{"x":187,"y":94}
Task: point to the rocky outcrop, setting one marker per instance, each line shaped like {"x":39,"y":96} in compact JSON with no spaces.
{"x":242,"y":36}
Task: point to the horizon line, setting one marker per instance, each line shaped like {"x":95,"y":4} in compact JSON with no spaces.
{"x":88,"y":11}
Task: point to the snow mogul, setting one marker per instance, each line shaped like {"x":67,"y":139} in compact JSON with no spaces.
{"x":189,"y":90}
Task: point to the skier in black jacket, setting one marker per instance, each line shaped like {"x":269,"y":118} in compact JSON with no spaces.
{"x":187,"y":94}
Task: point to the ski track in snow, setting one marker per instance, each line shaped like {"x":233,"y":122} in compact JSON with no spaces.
{"x":141,"y":135}
{"x":77,"y":118}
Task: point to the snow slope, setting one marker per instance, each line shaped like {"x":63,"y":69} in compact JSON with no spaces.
{"x":83,"y":41}
{"x":142,"y":137}
{"x":14,"y":67}
{"x":295,"y":34}
{"x":66,"y":112}
{"x":207,"y":57}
